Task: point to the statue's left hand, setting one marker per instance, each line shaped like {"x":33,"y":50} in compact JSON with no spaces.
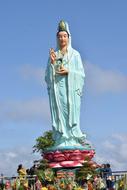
{"x":62,"y":71}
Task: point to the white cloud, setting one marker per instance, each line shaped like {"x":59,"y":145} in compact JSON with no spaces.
{"x":113,"y":151}
{"x":29,"y":110}
{"x":119,"y":137}
{"x":100,"y":80}
{"x":11,"y":158}
{"x":108,"y":145}
{"x":25,"y":110}
{"x":30,"y":72}
{"x":11,"y":155}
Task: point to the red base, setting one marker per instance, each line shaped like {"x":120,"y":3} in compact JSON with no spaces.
{"x":68,"y":158}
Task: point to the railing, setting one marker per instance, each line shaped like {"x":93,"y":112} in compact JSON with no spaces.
{"x":30,"y":179}
{"x":116,"y":176}
{"x":119,"y":174}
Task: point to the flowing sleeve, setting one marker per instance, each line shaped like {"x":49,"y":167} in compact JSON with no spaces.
{"x":76,"y":74}
{"x":75,"y":85}
{"x":79,"y":75}
{"x":49,"y":74}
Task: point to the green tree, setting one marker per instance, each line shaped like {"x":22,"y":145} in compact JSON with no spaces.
{"x":44,"y":142}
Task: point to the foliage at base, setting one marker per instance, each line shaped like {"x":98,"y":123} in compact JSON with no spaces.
{"x":44,"y":142}
{"x":86,"y":172}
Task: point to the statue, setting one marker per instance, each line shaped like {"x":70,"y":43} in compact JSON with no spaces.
{"x":65,"y":79}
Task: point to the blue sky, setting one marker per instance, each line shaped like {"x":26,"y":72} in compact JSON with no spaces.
{"x":27,"y":31}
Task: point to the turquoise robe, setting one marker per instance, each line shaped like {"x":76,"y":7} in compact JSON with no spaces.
{"x":65,"y":93}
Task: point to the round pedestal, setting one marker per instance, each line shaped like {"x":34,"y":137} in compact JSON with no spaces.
{"x":68,"y":158}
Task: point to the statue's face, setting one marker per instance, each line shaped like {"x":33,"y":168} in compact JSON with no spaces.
{"x":63,"y":38}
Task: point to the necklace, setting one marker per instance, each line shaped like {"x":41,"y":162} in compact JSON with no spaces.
{"x":66,"y":55}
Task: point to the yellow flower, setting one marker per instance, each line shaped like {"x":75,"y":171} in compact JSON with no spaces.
{"x":62,"y":185}
{"x":44,"y":188}
{"x":51,"y":187}
{"x":121,"y":183}
{"x":48,"y":178}
{"x":78,"y":188}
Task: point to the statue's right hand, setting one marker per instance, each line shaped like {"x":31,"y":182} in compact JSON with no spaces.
{"x":52,"y":56}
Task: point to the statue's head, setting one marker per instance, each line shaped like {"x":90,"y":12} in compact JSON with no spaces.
{"x":63,"y":33}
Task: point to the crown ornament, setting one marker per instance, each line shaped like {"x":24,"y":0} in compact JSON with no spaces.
{"x":62,"y":26}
